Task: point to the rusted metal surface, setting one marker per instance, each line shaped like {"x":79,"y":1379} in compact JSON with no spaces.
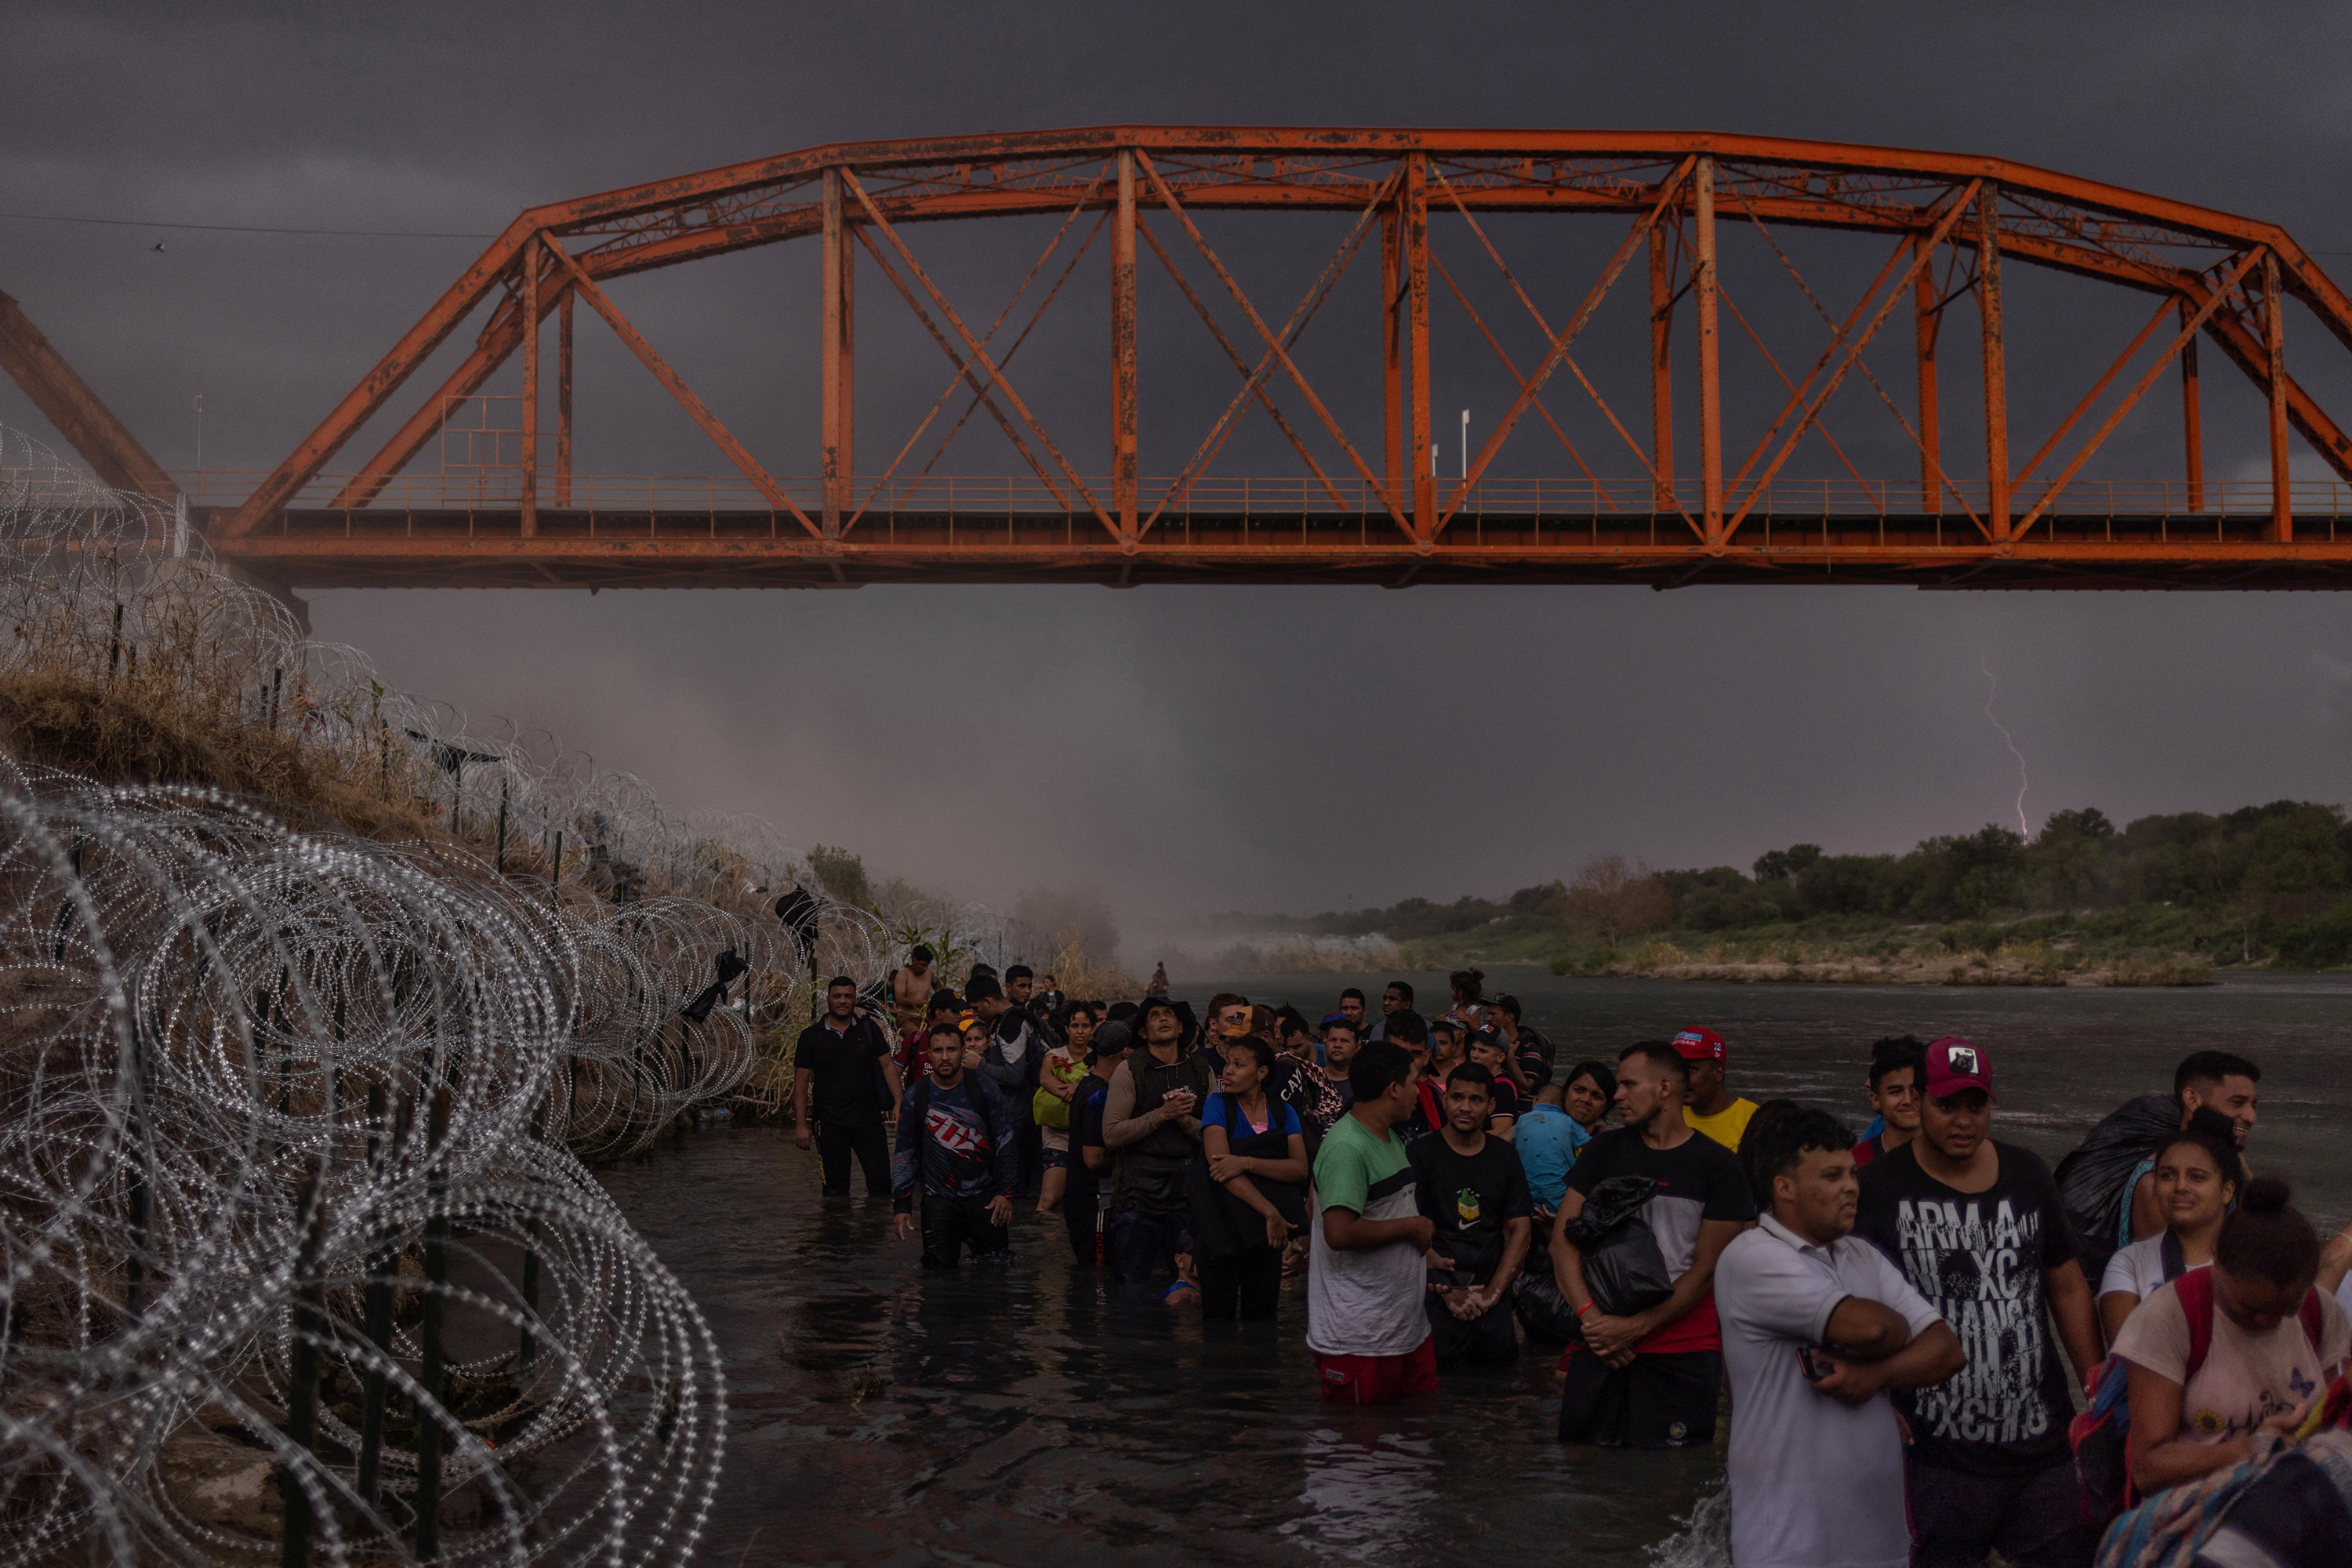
{"x":80,"y":415}
{"x":2274,"y":341}
{"x":1996,"y":365}
{"x":1950,"y":230}
{"x":2192,"y":414}
{"x":1289,"y":538}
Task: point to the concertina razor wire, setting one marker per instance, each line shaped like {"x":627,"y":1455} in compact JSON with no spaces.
{"x":293,"y":1216}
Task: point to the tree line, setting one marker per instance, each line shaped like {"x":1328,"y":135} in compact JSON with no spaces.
{"x":2271,"y":881}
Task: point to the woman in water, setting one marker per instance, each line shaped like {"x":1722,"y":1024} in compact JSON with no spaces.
{"x":2196,"y":1181}
{"x":1247,"y":1137}
{"x":2271,"y":1342}
{"x":1064,"y":1069}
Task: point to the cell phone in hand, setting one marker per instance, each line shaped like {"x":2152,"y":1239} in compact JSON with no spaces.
{"x":1815,"y":1367}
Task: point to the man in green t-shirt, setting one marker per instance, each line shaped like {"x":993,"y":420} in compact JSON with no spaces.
{"x":1366,"y":1271}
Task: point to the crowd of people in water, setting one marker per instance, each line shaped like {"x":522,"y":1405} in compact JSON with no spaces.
{"x":1927,"y":1345}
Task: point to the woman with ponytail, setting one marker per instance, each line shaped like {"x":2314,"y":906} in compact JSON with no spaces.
{"x":2221,"y":1353}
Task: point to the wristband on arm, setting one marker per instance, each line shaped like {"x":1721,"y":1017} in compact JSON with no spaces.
{"x":1590,"y":1305}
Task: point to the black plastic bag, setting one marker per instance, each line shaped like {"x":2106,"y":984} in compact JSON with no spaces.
{"x":1623,"y":1266}
{"x":1542,"y":1310}
{"x":2092,"y":1180}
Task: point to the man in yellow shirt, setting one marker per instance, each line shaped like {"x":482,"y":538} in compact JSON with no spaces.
{"x":1711,"y":1109}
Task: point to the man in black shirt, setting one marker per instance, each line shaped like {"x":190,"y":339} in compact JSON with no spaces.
{"x":1082,"y":1200}
{"x":1977,"y":1228}
{"x":1648,"y":1379}
{"x":1472,"y":1188}
{"x":846,"y":1060}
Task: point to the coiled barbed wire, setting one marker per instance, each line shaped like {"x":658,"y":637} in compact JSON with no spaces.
{"x":294,"y":1230}
{"x":274,"y":1102}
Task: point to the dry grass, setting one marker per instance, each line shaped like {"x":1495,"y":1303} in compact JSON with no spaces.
{"x":2152,"y":969}
{"x":2018,"y":964}
{"x":1081,"y":974}
{"x":130,"y":732}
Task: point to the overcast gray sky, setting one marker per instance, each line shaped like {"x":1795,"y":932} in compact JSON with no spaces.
{"x":1184,"y":748}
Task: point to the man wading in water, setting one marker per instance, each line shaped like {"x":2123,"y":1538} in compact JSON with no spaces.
{"x":1978,"y":1229}
{"x":955,"y":1144}
{"x":1649,"y":1380}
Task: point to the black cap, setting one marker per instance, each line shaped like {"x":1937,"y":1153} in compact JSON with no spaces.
{"x":1110,"y":1040}
{"x":1490,"y":1036}
{"x":945,"y":1001}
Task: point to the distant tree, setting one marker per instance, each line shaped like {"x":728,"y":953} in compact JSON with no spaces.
{"x":2090,"y":823}
{"x":1780,"y":864}
{"x":2073,"y":857}
{"x":2297,"y":851}
{"x":842,"y":874}
{"x":1612,"y":898}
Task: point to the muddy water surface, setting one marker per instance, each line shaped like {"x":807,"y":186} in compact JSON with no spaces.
{"x":1029,"y":1417}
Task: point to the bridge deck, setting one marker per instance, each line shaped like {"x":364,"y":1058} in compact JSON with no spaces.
{"x":720,"y":547}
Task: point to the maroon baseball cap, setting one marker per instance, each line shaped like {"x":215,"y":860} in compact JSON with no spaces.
{"x":1954,"y":1065}
{"x":1701,"y":1045}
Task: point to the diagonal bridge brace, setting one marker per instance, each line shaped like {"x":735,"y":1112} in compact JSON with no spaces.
{"x":995,"y":377}
{"x":719,"y":435}
{"x":1922,"y":255}
{"x":1276,"y":351}
{"x":2188,"y":334}
{"x":1669,"y":192}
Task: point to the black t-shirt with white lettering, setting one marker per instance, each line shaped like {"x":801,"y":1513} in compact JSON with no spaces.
{"x":1979,"y":1257}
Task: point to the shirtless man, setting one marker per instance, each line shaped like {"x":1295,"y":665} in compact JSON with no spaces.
{"x":911,"y":988}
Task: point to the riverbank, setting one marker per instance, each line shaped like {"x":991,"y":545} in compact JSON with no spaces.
{"x":1923,"y":962}
{"x":2145,"y":945}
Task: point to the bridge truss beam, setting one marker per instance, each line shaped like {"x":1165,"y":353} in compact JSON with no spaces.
{"x":2213,"y":275}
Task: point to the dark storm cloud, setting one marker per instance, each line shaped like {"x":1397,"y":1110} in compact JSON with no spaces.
{"x":1194,"y":749}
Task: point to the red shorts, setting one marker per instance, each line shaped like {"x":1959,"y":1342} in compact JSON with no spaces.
{"x":1377,"y":1379}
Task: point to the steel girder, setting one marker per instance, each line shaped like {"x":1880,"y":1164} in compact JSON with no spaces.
{"x":2224,"y":277}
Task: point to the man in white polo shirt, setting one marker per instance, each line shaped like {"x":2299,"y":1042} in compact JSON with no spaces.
{"x":1817,"y":1324}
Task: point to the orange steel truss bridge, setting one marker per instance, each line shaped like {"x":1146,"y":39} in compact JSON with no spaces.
{"x":1362,"y":505}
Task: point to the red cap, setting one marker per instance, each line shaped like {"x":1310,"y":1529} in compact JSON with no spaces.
{"x":1701,"y":1045}
{"x":1953,"y":1065}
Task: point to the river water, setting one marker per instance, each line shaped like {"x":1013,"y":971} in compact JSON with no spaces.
{"x":1027,"y":1416}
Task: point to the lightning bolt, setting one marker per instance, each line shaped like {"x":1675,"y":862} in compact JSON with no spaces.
{"x":1992,"y":689}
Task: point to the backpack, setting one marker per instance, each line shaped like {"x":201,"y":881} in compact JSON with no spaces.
{"x":2094,"y":1181}
{"x":2101,"y":1434}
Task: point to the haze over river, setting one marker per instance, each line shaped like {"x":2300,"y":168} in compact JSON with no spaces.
{"x":1027,"y":1416}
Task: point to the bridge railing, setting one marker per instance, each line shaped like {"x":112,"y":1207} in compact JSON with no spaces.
{"x":1281,"y":499}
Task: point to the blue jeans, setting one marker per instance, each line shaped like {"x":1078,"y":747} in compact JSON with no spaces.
{"x":1143,"y":1243}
